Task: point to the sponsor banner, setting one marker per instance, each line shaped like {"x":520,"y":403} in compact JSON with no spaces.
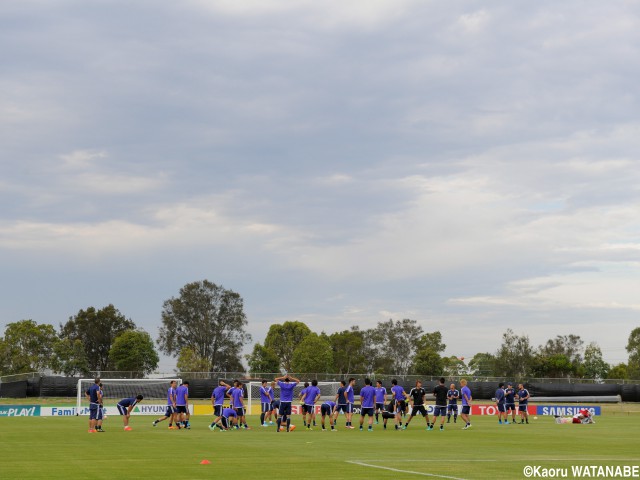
{"x":141,"y":409}
{"x":566,"y":411}
{"x":19,"y":410}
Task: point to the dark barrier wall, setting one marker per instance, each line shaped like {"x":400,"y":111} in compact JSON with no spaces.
{"x":14,"y":389}
{"x":58,"y":387}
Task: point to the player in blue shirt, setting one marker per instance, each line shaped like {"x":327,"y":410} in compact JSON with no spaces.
{"x":95,"y":405}
{"x":510,"y":402}
{"x":217,"y":399}
{"x":399,"y":401}
{"x":302,"y":406}
{"x":237,"y":402}
{"x":182,"y":405}
{"x":228,"y":418}
{"x":500,"y":404}
{"x":523,"y":403}
{"x":350,"y":394}
{"x":266,"y":397}
{"x":465,"y":393}
{"x":367,"y":403}
{"x":125,"y":406}
{"x":452,"y":395}
{"x":171,"y":408}
{"x":326,"y":409}
{"x":342,"y":405}
{"x":286,"y":398}
{"x":381,"y":398}
{"x":311,"y":396}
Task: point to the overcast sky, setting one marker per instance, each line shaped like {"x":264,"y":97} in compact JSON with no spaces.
{"x":470,"y":165}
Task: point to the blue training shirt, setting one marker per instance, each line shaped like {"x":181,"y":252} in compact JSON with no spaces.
{"x":368,"y":395}
{"x":310,"y":397}
{"x":286,"y":390}
{"x":500,"y":396}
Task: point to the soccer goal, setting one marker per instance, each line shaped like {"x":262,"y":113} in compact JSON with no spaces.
{"x":328,"y":391}
{"x":116,"y":389}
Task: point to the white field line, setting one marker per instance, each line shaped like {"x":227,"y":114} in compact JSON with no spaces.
{"x":403,"y":471}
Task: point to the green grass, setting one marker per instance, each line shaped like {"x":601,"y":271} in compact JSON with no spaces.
{"x":41,"y":447}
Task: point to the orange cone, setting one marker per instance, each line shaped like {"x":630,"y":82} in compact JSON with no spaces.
{"x":205,"y":462}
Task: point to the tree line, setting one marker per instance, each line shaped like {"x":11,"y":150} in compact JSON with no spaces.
{"x":205,"y":329}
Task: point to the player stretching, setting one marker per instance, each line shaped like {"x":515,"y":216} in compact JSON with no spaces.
{"x":349,"y":392}
{"x":500,"y":404}
{"x":301,"y":398}
{"x":342,"y":405}
{"x":217,"y":399}
{"x":367,"y":403}
{"x":228,"y":417}
{"x":171,"y":408}
{"x":510,"y":402}
{"x":266,"y":397}
{"x":465,"y":392}
{"x":326,"y":409}
{"x":381,"y":399}
{"x":286,"y":397}
{"x":399,"y":403}
{"x":95,"y":405}
{"x":452,"y":395}
{"x":523,"y":403}
{"x":417,"y":398}
{"x":125,"y":406}
{"x":311,"y":396}
{"x":182,"y":405}
{"x":441,"y":393}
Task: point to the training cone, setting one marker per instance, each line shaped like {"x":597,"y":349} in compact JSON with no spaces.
{"x":205,"y":462}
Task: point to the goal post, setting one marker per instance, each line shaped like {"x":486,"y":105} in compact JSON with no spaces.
{"x":328,"y":391}
{"x":115,"y":389}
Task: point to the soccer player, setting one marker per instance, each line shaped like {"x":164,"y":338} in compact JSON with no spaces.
{"x":125,"y":406}
{"x":237,"y":402}
{"x":228,"y":418}
{"x":583,"y":417}
{"x":465,"y":392}
{"x":381,"y":398}
{"x":399,"y":404}
{"x":389,"y":412}
{"x":367,"y":403}
{"x":326,"y":409}
{"x":311,"y":396}
{"x":417,"y":398}
{"x":350,"y":394}
{"x":171,"y":408}
{"x":286,"y":397}
{"x":266,"y":397}
{"x":95,"y":405}
{"x":440,"y":409}
{"x":182,"y":405}
{"x":217,"y":399}
{"x":452,"y":395}
{"x":103,"y":410}
{"x":342,"y":405}
{"x":510,"y":402}
{"x":523,"y":403}
{"x":500,"y":404}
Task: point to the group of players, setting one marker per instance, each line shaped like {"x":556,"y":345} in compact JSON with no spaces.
{"x":375,"y":402}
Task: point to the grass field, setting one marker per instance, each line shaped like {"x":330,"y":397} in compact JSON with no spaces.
{"x":50,"y":447}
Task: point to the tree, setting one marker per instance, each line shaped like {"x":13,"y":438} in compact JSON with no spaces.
{"x":482,"y":365}
{"x":515,"y":356}
{"x":568,"y":345}
{"x":210,"y":320}
{"x":96,"y":329}
{"x":70,"y":358}
{"x":556,"y":365}
{"x":189,"y":361}
{"x":619,"y":372}
{"x":427,"y":359}
{"x":394,"y":337}
{"x":27,"y":347}
{"x":454,"y":367}
{"x":594,"y":365}
{"x":133,"y":351}
{"x":633,"y":348}
{"x":283,"y":340}
{"x":263,"y":360}
{"x":348,"y":351}
{"x":313,"y":355}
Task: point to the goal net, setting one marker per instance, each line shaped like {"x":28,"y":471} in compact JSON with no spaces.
{"x":115,"y":389}
{"x":328,"y":391}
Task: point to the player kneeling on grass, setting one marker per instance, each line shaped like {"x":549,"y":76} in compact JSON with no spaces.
{"x":226,"y":421}
{"x":582,"y":418}
{"x":125,"y":406}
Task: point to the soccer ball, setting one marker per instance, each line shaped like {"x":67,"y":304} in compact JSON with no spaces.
{"x":535,"y":418}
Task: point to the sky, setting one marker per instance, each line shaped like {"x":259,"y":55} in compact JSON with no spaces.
{"x":470,"y":165}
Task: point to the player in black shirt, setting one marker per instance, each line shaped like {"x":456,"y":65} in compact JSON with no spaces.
{"x":417,"y":397}
{"x":441,"y":393}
